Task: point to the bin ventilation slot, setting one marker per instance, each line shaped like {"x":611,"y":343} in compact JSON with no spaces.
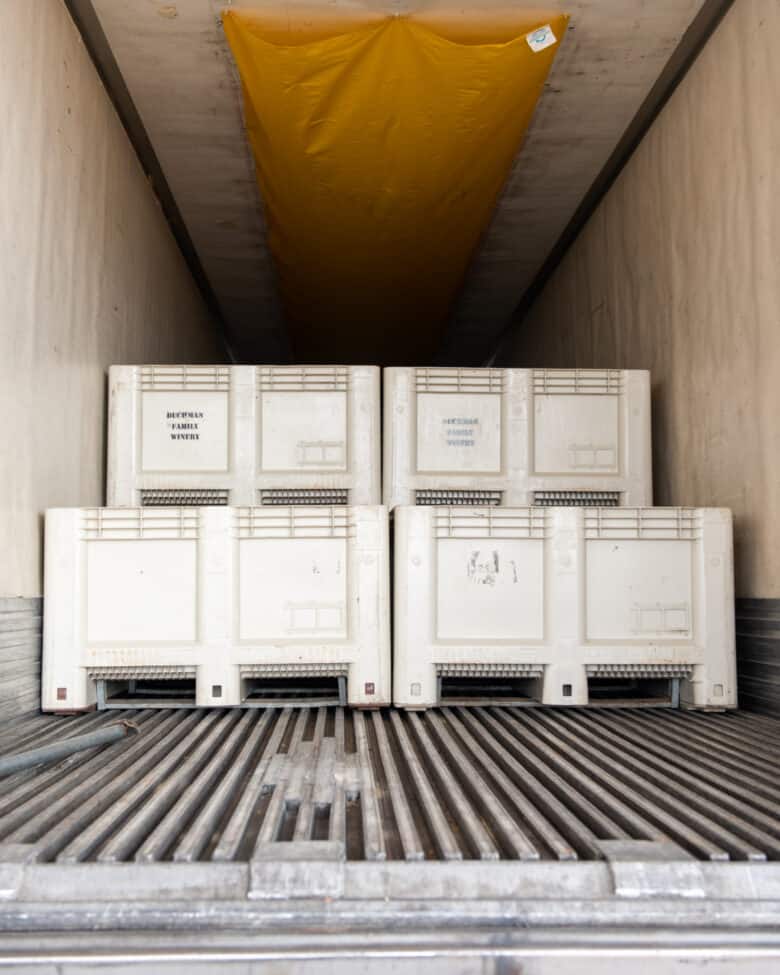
{"x":163,"y":672}
{"x":465,"y":497}
{"x":489,"y":670}
{"x":190,"y":497}
{"x":638,"y":671}
{"x":291,"y":521}
{"x":316,"y":496}
{"x":294,"y":670}
{"x":191,"y":379}
{"x":166,"y":685}
{"x":490,"y":523}
{"x":303,"y":379}
{"x":459,"y":380}
{"x":294,"y":684}
{"x":481,"y":684}
{"x":651,"y":523}
{"x":579,"y":499}
{"x":565,"y":382}
{"x":134,"y":523}
{"x":636,"y":683}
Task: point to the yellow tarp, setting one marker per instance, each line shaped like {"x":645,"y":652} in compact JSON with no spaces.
{"x":380,"y":154}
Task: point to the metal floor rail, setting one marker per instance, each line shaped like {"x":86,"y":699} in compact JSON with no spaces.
{"x":495,"y":783}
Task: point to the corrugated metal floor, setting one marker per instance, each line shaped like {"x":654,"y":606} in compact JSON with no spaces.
{"x":492,"y":783}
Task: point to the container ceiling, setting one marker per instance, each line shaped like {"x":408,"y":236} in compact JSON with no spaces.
{"x":178,"y":70}
{"x":380,"y":155}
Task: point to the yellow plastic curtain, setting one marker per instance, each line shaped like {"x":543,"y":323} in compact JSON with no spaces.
{"x":380,"y":154}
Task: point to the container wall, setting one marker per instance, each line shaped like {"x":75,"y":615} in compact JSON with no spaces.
{"x":677,"y":272}
{"x":89,"y":275}
{"x":20,"y":657}
{"x":758,"y":643}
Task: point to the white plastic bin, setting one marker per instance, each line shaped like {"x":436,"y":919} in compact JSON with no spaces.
{"x":243,"y":435}
{"x":517,"y":437}
{"x":568,"y":603}
{"x":224,"y":602}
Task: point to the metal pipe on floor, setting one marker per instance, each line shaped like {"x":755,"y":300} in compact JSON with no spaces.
{"x":69,"y":746}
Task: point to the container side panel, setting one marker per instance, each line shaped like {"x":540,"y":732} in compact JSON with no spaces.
{"x":459,"y":432}
{"x":576,"y":434}
{"x":141,"y":592}
{"x":183,"y":431}
{"x":639,"y":590}
{"x":490,"y":589}
{"x":293,"y":588}
{"x":304,"y":431}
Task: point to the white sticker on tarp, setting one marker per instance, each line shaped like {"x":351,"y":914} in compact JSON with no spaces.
{"x":541,"y":38}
